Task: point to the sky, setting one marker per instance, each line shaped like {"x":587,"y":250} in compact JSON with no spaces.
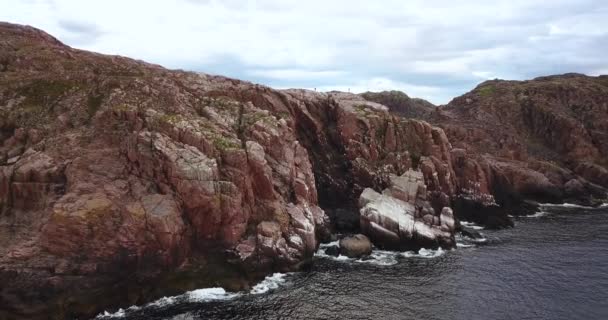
{"x":434,"y":50}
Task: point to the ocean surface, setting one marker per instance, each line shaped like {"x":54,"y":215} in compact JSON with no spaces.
{"x":553,"y":265}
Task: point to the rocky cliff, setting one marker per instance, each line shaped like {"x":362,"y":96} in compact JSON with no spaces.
{"x":542,"y":139}
{"x":119,"y":178}
{"x":546,"y":137}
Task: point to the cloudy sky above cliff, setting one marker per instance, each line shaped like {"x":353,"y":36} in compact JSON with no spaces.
{"x":430,"y":49}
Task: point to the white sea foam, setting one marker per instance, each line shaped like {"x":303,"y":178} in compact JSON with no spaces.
{"x":537,"y":214}
{"x":381,"y":258}
{"x":572,"y":205}
{"x":377,"y":257}
{"x":464,"y":245}
{"x":480,"y":240}
{"x":106,"y":315}
{"x":467,"y":240}
{"x":322,"y":254}
{"x":208,"y":294}
{"x":424,"y":253}
{"x":563,"y":205}
{"x":471,"y":225}
{"x":270,"y":283}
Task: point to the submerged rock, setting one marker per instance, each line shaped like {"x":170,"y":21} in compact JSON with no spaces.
{"x":488,"y":214}
{"x":333,"y":251}
{"x":471,"y":233}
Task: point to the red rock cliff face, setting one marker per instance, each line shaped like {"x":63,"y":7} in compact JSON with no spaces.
{"x":546,"y":138}
{"x":542,"y":139}
{"x":109,"y":165}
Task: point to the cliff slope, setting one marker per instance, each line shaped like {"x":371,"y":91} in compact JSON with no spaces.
{"x":549,"y":135}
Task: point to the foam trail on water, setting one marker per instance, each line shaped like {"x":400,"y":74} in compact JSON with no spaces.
{"x":537,"y":215}
{"x":464,"y":245}
{"x":381,"y":258}
{"x":471,"y":225}
{"x":424,"y":253}
{"x":564,"y":205}
{"x":201,"y":295}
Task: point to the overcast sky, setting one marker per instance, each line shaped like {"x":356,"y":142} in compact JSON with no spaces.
{"x":435,"y":49}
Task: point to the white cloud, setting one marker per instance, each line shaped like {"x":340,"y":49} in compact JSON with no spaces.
{"x":599,"y":72}
{"x":297,"y":74}
{"x":384,"y":84}
{"x":484,"y":75}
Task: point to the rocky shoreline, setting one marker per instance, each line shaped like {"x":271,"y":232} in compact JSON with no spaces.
{"x":122,"y":181}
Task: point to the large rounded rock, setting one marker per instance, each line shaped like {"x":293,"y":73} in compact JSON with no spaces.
{"x":356,"y":246}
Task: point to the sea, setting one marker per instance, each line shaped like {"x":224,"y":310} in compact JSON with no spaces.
{"x":552,"y":265}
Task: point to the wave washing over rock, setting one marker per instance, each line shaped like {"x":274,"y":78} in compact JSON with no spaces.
{"x":122,"y":182}
{"x":378,"y":257}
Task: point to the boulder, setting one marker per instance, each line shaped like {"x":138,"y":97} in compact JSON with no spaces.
{"x":355,"y":246}
{"x":392,"y":224}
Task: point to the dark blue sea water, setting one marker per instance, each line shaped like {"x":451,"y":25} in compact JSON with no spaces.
{"x":552,"y":266}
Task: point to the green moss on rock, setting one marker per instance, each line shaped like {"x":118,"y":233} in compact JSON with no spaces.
{"x":487,"y":90}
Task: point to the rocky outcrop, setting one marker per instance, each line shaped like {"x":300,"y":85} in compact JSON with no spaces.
{"x":541,"y":139}
{"x":402,"y":218}
{"x":400,"y":103}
